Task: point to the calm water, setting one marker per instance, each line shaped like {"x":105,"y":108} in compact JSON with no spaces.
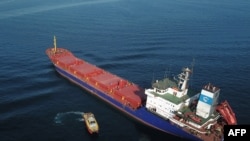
{"x":136,"y":39}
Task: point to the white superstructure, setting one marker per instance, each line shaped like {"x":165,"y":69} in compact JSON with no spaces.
{"x":168,"y":96}
{"x":199,"y":113}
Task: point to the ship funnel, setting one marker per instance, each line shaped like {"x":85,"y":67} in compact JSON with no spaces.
{"x":208,"y":100}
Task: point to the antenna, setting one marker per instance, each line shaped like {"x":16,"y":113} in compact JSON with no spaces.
{"x":167,"y":72}
{"x":153,"y":79}
{"x":192,"y":65}
{"x":192,"y":70}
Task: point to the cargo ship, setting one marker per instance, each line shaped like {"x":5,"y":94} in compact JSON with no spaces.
{"x":169,"y":106}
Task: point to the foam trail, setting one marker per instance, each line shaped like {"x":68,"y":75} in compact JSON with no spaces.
{"x":38,"y":9}
{"x":60,"y":117}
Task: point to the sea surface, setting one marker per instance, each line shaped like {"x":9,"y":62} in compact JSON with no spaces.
{"x":139,"y":40}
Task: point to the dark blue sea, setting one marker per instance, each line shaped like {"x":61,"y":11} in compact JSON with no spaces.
{"x":139,"y":40}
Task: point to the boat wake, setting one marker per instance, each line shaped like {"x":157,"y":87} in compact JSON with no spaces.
{"x":71,"y":116}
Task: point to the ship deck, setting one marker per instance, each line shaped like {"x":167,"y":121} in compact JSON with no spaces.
{"x":187,"y":110}
{"x":140,"y":114}
{"x":164,"y":84}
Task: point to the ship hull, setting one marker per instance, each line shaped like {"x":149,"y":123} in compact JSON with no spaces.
{"x":141,"y":114}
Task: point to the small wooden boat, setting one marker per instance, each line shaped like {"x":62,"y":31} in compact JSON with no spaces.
{"x":91,"y":122}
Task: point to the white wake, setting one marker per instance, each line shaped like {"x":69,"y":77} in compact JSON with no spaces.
{"x":60,"y":118}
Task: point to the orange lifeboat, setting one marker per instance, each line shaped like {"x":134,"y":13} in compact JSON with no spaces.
{"x":226,"y":111}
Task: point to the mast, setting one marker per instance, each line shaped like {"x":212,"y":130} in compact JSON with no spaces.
{"x":183,"y":78}
{"x":54,"y":43}
{"x":192,"y":70}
